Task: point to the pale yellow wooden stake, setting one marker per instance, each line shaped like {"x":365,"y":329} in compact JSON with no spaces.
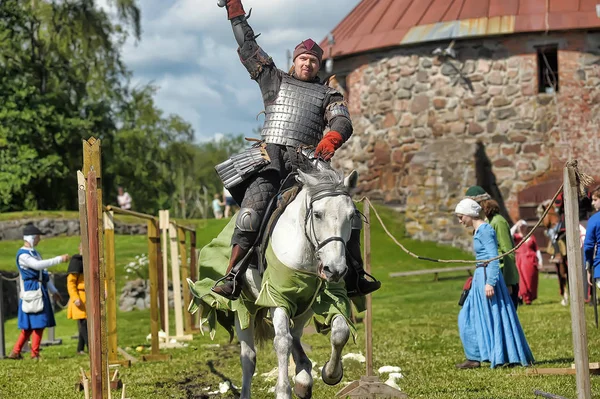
{"x":163,"y":224}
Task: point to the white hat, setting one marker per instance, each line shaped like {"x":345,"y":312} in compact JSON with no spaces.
{"x":468,"y":207}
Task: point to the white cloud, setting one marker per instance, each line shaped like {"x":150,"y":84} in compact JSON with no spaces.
{"x":188,"y":49}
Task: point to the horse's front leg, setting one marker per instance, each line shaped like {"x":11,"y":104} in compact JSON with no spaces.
{"x":333,"y":371}
{"x":247,"y":356}
{"x":303,"y":380}
{"x":283,"y":346}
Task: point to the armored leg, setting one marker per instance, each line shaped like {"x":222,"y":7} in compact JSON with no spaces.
{"x":357,"y":283}
{"x":247,"y":226}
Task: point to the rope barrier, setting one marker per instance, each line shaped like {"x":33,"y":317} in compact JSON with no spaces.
{"x":9,"y":278}
{"x":583,"y":181}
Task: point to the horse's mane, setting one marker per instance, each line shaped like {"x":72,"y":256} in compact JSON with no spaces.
{"x":324,"y":180}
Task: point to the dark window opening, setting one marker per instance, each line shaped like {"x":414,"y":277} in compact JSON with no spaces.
{"x":547,"y":58}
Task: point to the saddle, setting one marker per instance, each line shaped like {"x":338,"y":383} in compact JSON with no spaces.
{"x":286,"y":194}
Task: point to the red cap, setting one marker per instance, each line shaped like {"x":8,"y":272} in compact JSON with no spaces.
{"x":309,"y":46}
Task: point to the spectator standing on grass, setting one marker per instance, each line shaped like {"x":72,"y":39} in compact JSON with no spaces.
{"x":34,"y":276}
{"x":216,"y":205}
{"x":76,"y":308}
{"x":488,"y":324}
{"x":529,"y":262}
{"x":123,"y":199}
{"x":508,"y":265}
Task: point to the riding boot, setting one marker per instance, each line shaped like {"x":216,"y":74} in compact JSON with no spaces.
{"x":357,"y":283}
{"x":232,"y":284}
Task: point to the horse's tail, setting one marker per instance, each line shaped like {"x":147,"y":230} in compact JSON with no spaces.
{"x":263,"y":330}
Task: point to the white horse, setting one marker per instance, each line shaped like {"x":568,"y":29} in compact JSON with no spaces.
{"x":310,"y":237}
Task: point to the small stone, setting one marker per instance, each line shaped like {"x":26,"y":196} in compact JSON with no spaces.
{"x":495,"y":90}
{"x":483,"y":66}
{"x":523,"y":125}
{"x":406,"y":71}
{"x":507,"y":151}
{"x":491,"y":127}
{"x":403,"y":94}
{"x":495,"y":78}
{"x":505,"y":113}
{"x":423,"y":77}
{"x":426,"y":63}
{"x":457,"y":127}
{"x":517,"y":138}
{"x":544,"y":99}
{"x":532,"y":148}
{"x":523,"y":165}
{"x":420,"y":88}
{"x":407,"y":83}
{"x":475,"y":128}
{"x":511,"y":90}
{"x":406,"y":120}
{"x":499,"y":138}
{"x":419,"y":104}
{"x":526,"y":76}
{"x":503,"y":163}
{"x":482,"y":114}
{"x":389,"y":120}
{"x":500,"y":101}
{"x":420,"y":133}
{"x":439,"y":103}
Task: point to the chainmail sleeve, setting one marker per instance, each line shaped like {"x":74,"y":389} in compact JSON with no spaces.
{"x":257,"y":62}
{"x":338,"y":116}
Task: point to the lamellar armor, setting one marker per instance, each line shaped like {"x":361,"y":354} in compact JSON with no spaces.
{"x":296,"y":117}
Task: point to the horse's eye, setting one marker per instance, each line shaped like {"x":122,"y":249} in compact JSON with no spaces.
{"x":318,"y":215}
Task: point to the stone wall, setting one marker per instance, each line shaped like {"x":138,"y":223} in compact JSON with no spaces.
{"x":13,"y":229}
{"x":417,"y":121}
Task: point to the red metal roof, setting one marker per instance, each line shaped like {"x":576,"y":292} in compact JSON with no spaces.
{"x":376,"y":24}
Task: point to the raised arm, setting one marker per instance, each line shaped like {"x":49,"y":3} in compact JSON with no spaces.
{"x":256,"y":61}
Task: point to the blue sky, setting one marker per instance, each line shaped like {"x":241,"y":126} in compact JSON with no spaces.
{"x":187,"y":49}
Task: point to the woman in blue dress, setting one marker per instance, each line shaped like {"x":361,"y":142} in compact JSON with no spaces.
{"x":34,"y":275}
{"x":488,"y":325}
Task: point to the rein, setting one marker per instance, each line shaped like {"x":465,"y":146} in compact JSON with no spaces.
{"x":309,"y":213}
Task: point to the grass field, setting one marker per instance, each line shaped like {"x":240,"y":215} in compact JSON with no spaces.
{"x":415,"y":328}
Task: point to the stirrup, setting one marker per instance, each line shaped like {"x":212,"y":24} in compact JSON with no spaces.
{"x":237,"y":286}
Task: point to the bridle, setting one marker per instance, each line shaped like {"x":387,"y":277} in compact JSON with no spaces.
{"x":309,"y":212}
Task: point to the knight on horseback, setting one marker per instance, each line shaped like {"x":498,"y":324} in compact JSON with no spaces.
{"x":298,"y":108}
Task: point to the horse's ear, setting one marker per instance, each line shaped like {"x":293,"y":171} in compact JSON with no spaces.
{"x":351,"y":180}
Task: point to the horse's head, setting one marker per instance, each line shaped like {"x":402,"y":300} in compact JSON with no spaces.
{"x":329,"y":216}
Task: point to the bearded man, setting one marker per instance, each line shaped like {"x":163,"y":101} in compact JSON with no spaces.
{"x":298,"y":109}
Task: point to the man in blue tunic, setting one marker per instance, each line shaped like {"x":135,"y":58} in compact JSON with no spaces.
{"x":34,"y":276}
{"x":592,"y":240}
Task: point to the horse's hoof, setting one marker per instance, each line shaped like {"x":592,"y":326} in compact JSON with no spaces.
{"x":303,"y":391}
{"x":331,"y":382}
{"x":303,"y":385}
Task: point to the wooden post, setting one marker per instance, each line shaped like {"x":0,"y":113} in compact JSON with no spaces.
{"x":176,"y":277}
{"x":99,"y":387}
{"x":153,"y":254}
{"x":368,"y":315}
{"x":163,"y":224}
{"x":582,"y":372}
{"x":193,"y":271}
{"x":187,"y":316}
{"x":92,"y":162}
{"x":369,"y":385}
{"x":111,"y":300}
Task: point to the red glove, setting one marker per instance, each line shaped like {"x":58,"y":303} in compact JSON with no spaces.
{"x":328,"y":144}
{"x":234,"y":9}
